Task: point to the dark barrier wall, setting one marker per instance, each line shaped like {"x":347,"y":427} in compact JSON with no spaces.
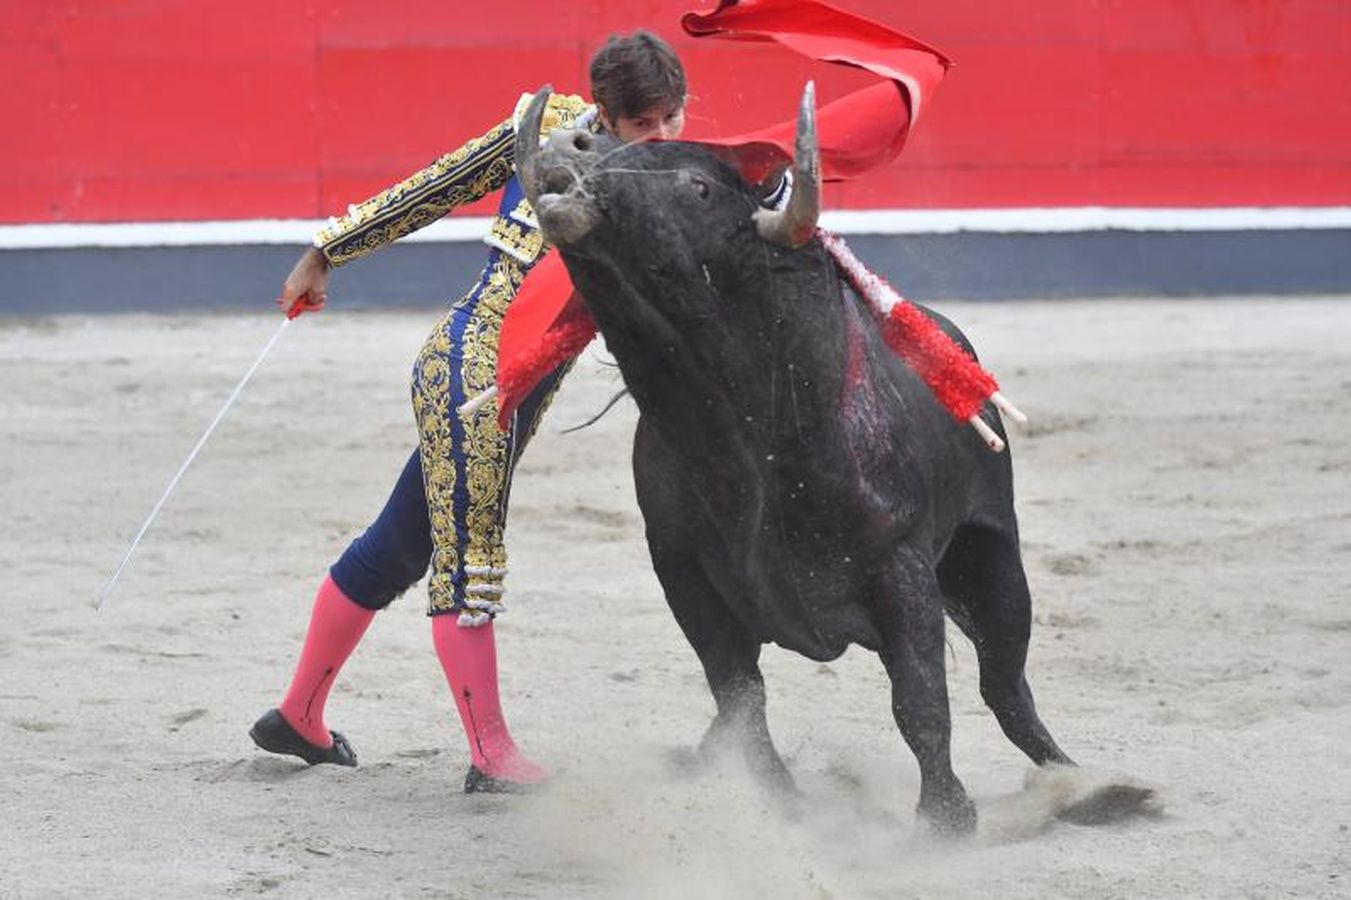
{"x":970,"y":266}
{"x":181,"y":110}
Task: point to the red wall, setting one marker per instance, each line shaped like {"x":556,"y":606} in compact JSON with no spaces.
{"x":181,"y":109}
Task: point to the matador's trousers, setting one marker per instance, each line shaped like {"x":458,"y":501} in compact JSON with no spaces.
{"x":449,"y":506}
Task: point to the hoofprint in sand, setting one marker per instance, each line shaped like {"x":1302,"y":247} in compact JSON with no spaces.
{"x":1185,"y":517}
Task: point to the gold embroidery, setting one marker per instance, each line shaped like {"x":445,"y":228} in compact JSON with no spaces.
{"x":431,"y":398}
{"x":462,"y":176}
{"x":525,"y":242}
{"x":523,"y":213}
{"x":485,"y":450}
{"x":480,"y":166}
{"x":562,"y":111}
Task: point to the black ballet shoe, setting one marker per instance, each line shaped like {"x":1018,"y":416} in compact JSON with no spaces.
{"x":478,"y":782}
{"x":275,"y":735}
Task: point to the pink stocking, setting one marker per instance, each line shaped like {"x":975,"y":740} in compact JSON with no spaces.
{"x":469,"y":659}
{"x":336,"y":625}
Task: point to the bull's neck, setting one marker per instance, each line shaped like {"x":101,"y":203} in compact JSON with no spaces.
{"x":759,"y":376}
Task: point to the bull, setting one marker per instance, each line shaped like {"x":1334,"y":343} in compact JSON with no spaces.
{"x":799,"y":483}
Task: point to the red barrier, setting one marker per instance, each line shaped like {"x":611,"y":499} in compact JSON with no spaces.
{"x":173,"y":109}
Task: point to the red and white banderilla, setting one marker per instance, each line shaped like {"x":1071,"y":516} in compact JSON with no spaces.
{"x":956,"y":379}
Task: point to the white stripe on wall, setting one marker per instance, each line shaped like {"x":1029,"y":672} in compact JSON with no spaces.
{"x":1021,"y":220}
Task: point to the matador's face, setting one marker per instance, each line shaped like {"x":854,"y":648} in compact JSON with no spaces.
{"x":661,"y":122}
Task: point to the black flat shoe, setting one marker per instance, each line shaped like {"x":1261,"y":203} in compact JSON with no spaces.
{"x":476,"y":782}
{"x":275,"y":735}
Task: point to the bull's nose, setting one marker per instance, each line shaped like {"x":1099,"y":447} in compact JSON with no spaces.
{"x":570,"y":143}
{"x":558,"y":180}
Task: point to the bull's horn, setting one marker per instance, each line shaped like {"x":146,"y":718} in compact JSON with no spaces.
{"x":527,"y":142}
{"x":794,"y":225}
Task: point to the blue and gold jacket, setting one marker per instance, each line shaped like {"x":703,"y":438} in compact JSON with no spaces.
{"x":462,"y":176}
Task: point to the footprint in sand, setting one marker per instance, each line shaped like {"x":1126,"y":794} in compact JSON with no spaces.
{"x":178,"y":720}
{"x":35,"y":726}
{"x":266,"y":770}
{"x":419,"y":753}
{"x":1070,"y":564}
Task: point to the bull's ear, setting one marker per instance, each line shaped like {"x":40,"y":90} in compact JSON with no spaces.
{"x":794,"y":225}
{"x":527,"y":141}
{"x":770,"y":189}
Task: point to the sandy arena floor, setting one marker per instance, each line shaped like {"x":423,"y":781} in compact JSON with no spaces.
{"x":1187,"y":524}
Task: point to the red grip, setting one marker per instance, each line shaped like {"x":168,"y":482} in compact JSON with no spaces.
{"x":303,"y":305}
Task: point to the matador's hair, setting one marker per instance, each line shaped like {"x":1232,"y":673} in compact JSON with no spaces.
{"x":632,"y":73}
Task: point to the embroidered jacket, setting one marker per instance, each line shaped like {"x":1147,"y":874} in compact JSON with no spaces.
{"x":462,"y":176}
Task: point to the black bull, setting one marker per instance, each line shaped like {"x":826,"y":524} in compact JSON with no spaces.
{"x":799,"y":482}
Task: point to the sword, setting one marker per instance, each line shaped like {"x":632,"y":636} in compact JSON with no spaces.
{"x":304,"y":304}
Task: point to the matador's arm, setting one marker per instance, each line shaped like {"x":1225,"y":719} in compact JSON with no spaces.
{"x":462,"y":176}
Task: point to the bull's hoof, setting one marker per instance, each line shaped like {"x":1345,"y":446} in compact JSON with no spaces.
{"x":774,"y":776}
{"x":951,"y":817}
{"x":275,"y":735}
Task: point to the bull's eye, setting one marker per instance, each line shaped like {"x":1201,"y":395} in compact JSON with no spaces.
{"x":700,"y":187}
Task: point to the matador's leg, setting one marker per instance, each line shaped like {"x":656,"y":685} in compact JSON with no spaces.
{"x":465,"y":465}
{"x":468,"y":462}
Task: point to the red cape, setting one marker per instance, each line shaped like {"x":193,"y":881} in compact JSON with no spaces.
{"x":860,"y":131}
{"x":545,"y":325}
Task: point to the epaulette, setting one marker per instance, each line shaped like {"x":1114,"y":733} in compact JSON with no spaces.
{"x":562,"y":111}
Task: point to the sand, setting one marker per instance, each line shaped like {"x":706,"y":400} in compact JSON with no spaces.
{"x":1183,"y":493}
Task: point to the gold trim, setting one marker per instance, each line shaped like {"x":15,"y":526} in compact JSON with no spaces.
{"x":480,"y":166}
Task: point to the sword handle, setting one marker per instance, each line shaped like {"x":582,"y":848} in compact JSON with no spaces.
{"x":302,"y":305}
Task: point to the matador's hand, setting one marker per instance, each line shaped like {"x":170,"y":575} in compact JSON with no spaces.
{"x":306,"y":287}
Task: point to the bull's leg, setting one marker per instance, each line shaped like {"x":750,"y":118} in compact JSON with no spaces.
{"x":730,"y":656}
{"x":729,"y":653}
{"x":981,"y":574}
{"x":909,"y":610}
